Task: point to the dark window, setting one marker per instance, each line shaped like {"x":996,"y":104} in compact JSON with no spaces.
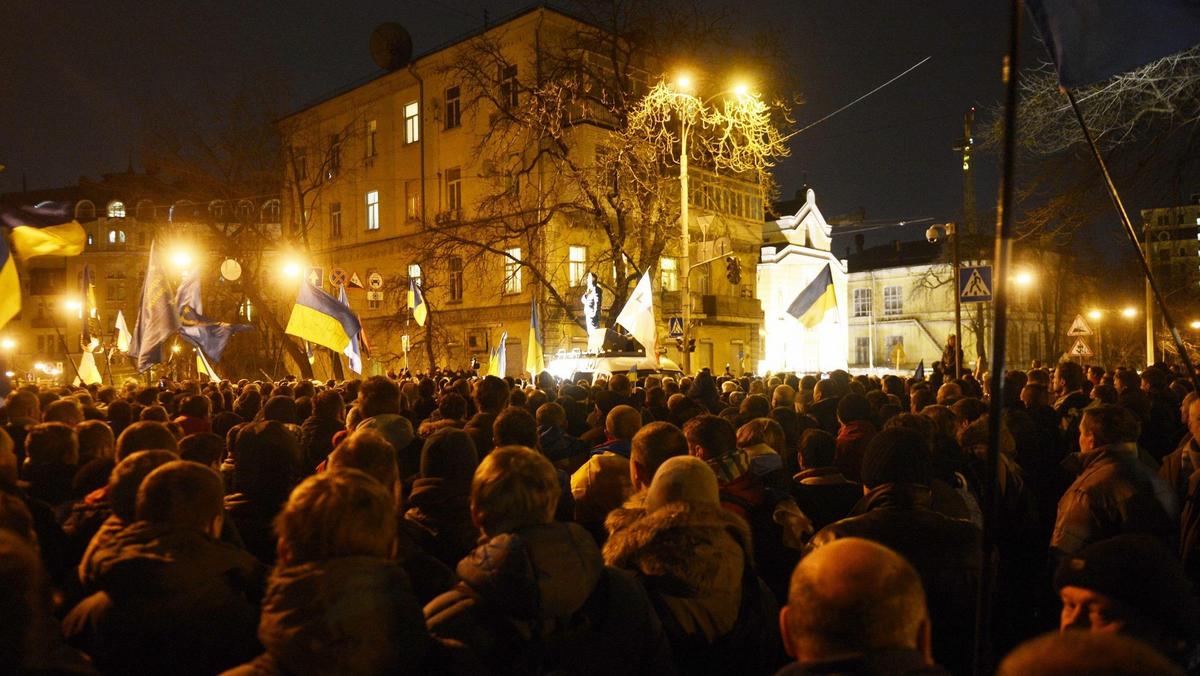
{"x":453,"y":108}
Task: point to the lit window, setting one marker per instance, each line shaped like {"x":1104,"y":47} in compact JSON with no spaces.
{"x":893,"y":304}
{"x":414,"y":273}
{"x":373,"y":210}
{"x":372,"y":132}
{"x":453,"y":108}
{"x":89,"y":239}
{"x":512,"y":270}
{"x":246,"y":310}
{"x":335,"y":220}
{"x":412,"y":200}
{"x":862,"y":302}
{"x":455,"y":267}
{"x":508,"y":86}
{"x":116,"y":236}
{"x":412,"y":122}
{"x":862,"y":350}
{"x":668,"y":268}
{"x":454,"y":189}
{"x":116,"y":210}
{"x":576,"y":264}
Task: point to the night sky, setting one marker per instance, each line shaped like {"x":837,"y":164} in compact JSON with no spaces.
{"x":75,"y":80}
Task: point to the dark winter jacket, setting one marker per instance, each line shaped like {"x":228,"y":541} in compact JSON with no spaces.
{"x":945,"y":552}
{"x":50,"y":482}
{"x":1115,"y":493}
{"x":480,"y":429}
{"x":886,"y":662}
{"x":825,"y":495}
{"x":825,"y":413}
{"x":557,"y":445}
{"x":541,"y":600}
{"x":170,"y":601}
{"x":254,"y":522}
{"x":316,"y":440}
{"x":697,"y":565}
{"x":439,"y":519}
{"x":351,"y":615}
{"x":852,"y":440}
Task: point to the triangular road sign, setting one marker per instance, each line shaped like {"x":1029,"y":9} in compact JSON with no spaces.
{"x":975,"y":287}
{"x":1080,"y":349}
{"x":1079,"y":327}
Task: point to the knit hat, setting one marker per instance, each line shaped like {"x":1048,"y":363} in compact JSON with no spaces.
{"x":449,"y":453}
{"x":682,"y":478}
{"x":897,"y":455}
{"x":1140,"y":572}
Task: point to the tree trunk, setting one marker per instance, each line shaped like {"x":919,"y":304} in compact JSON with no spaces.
{"x":289,"y":343}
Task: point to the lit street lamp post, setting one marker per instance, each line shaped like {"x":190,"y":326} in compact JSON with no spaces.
{"x":934,"y":233}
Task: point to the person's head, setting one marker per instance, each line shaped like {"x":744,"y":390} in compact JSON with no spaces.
{"x":784,"y":396}
{"x":683,"y":479}
{"x":491,"y":394}
{"x":95,"y":440}
{"x":1126,"y":380}
{"x":1095,"y":374}
{"x":853,"y":408}
{"x":817,"y":449}
{"x":653,"y":445}
{"x":1193,"y":419}
{"x":280,"y":409}
{"x":378,"y":395}
{"x":854,"y":596}
{"x":452,"y":406}
{"x":949,"y":393}
{"x":515,"y":426}
{"x":825,"y":389}
{"x":551,"y":415}
{"x":65,"y":411}
{"x":709,"y":437}
{"x":51,"y":443}
{"x":762,"y":431}
{"x":755,"y":406}
{"x":127,"y":477}
{"x":22,"y":404}
{"x":514,"y":488}
{"x":266,"y":458}
{"x":1076,"y":652}
{"x":205,"y":448}
{"x":196,"y":406}
{"x":1155,"y":379}
{"x":622,"y":422}
{"x":182,"y":495}
{"x":369,"y":452}
{"x":328,"y":405}
{"x":339,"y":513}
{"x":897,"y":455}
{"x":920,"y":398}
{"x":1105,"y":425}
{"x":1068,"y":377}
{"x":1128,"y":584}
{"x":145,"y":435}
{"x":154,"y":413}
{"x":449,"y":454}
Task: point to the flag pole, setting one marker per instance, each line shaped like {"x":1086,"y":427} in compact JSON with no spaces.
{"x":1119,"y":205}
{"x":1003,"y":248}
{"x":67,"y":352}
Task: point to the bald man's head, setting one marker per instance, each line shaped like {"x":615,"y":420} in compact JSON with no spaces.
{"x":623,"y":422}
{"x":853,"y":595}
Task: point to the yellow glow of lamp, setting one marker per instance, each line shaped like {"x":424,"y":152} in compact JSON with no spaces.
{"x":683,"y":82}
{"x":7,"y":344}
{"x":1094,"y":315}
{"x":1129,"y":312}
{"x":181,"y":259}
{"x":292,"y":269}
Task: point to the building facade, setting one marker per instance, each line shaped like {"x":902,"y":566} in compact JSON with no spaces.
{"x":428,"y":183}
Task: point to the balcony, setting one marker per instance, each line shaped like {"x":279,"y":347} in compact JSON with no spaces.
{"x":715,"y":306}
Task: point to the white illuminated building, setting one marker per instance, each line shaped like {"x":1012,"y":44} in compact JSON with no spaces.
{"x":796,"y":249}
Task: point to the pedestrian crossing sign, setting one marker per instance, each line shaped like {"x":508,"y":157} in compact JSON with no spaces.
{"x":1080,"y":349}
{"x":675,"y":327}
{"x":975,"y":283}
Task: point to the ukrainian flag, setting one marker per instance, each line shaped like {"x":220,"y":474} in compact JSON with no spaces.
{"x":535,"y":356}
{"x":416,"y":302}
{"x":10,"y":286}
{"x":815,"y":300}
{"x":45,"y":229}
{"x":319,"y":318}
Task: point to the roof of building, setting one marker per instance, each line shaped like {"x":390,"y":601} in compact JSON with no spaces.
{"x":897,"y":254}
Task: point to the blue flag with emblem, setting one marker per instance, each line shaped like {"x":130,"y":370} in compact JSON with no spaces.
{"x":157,"y":316}
{"x":208,"y":336}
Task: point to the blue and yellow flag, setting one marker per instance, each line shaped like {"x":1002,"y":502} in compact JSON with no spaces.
{"x":416,"y":302}
{"x":10,"y":285}
{"x":353,"y":350}
{"x":535,"y":356}
{"x":815,"y":300}
{"x":157,"y":318}
{"x":45,"y":229}
{"x":319,"y":318}
{"x":498,"y":359}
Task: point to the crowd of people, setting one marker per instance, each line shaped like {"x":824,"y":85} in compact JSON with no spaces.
{"x":712,"y":524}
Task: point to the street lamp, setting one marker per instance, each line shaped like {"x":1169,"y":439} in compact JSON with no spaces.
{"x":291,"y":269}
{"x":1195,"y":324}
{"x":1023,"y":278}
{"x":932,"y":235}
{"x":1094,"y":315}
{"x":7,"y":344}
{"x":1129,"y":312}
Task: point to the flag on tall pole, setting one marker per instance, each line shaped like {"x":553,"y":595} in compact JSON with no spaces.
{"x":87,"y":293}
{"x":353,"y":351}
{"x":1093,"y":40}
{"x":124,"y":338}
{"x":416,"y":302}
{"x":157,"y":318}
{"x":207,"y":336}
{"x":638,"y":316}
{"x":319,"y":318}
{"x":817,"y":299}
{"x":203,"y":367}
{"x":46,"y":229}
{"x":498,"y":360}
{"x":535,"y":356}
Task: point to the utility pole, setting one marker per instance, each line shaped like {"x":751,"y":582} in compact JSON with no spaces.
{"x":966,"y":146}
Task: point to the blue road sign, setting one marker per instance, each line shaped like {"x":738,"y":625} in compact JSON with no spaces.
{"x":675,"y":327}
{"x":975,"y":283}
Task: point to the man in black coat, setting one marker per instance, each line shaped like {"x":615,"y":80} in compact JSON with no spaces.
{"x":895,"y":512}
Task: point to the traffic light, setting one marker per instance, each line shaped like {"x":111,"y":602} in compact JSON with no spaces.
{"x":679,"y":344}
{"x":691,"y":345}
{"x":733,"y":270}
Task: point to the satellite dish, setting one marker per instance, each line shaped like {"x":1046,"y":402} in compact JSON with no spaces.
{"x":391,"y":46}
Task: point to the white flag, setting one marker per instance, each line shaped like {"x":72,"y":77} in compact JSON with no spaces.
{"x":124,"y":337}
{"x":638,"y":316}
{"x":88,"y":373}
{"x":205,"y":368}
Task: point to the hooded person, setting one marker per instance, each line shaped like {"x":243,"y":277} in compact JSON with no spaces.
{"x":172,"y":597}
{"x":266,"y":461}
{"x":317,"y":431}
{"x":335,"y":603}
{"x":535,"y":595}
{"x":696,"y":560}
{"x":439,"y":505}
